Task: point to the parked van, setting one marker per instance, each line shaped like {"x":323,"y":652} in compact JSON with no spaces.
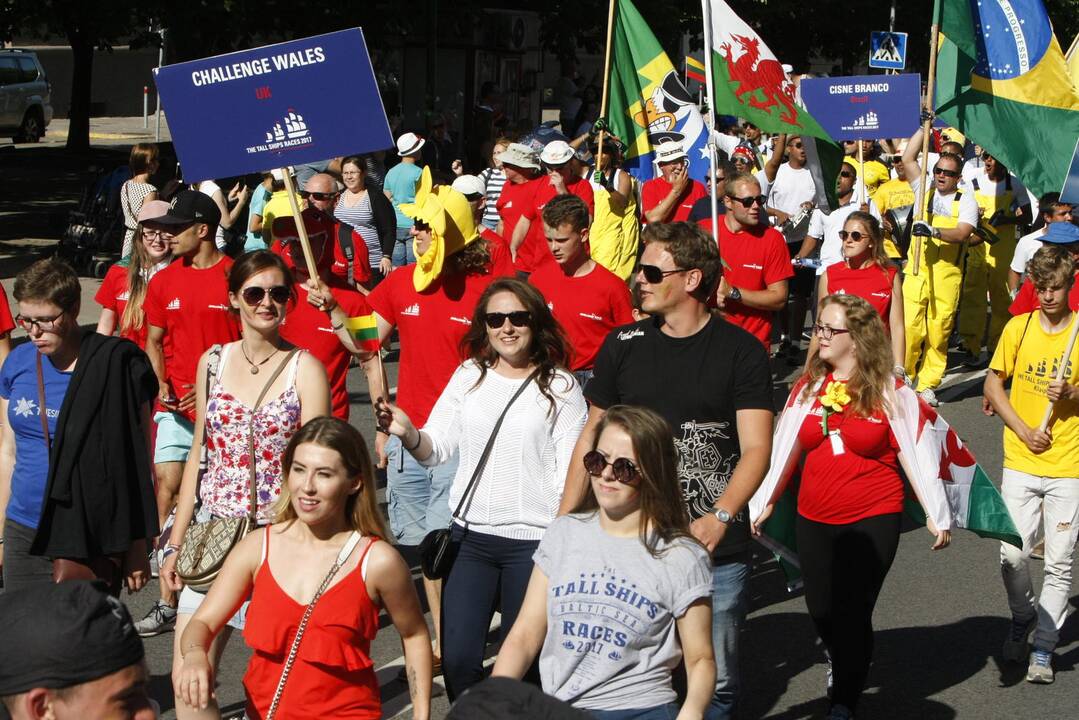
{"x":25,"y":108}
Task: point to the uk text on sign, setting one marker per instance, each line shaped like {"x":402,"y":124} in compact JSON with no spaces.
{"x":285,"y":104}
{"x":864,"y":106}
{"x":888,"y":50}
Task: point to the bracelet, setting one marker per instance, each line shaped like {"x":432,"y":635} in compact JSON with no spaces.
{"x":419,"y":439}
{"x":337,"y":326}
{"x":189,"y":648}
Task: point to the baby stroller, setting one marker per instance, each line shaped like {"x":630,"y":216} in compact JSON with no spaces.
{"x":95,"y":232}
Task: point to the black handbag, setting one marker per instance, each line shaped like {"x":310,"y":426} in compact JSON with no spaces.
{"x":435,"y":556}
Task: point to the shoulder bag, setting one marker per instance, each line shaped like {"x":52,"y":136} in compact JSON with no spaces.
{"x":435,"y":556}
{"x":206,"y":545}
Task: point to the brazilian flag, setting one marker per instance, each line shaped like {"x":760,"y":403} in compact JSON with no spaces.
{"x":1003,"y":81}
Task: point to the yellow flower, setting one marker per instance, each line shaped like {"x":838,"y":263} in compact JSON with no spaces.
{"x":835,"y":396}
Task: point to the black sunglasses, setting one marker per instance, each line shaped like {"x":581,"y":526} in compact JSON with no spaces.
{"x":653,"y":274}
{"x":624,"y":470}
{"x":945,"y":173}
{"x":517,"y":318}
{"x":796,"y":146}
{"x":747,"y":202}
{"x":847,"y":174}
{"x":853,"y":234}
{"x":318,"y":195}
{"x":254,"y":295}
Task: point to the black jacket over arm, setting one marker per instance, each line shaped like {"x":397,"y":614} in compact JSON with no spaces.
{"x":385,"y":218}
{"x":99,"y":496}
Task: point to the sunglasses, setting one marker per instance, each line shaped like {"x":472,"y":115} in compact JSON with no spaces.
{"x":517,"y":318}
{"x":847,"y":174}
{"x":624,"y":470}
{"x":827,"y":333}
{"x":797,"y":145}
{"x":986,"y":156}
{"x":653,"y":274}
{"x":719,"y":179}
{"x":747,"y":202}
{"x":254,"y":295}
{"x":945,"y":173}
{"x":318,"y":195}
{"x":853,"y":235}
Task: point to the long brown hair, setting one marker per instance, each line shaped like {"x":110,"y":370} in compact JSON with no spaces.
{"x":873,"y":355}
{"x":663,"y":512}
{"x":138,"y":274}
{"x":548,"y":351}
{"x":361,"y":508}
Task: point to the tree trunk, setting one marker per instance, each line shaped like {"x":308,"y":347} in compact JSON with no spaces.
{"x":78,"y":132}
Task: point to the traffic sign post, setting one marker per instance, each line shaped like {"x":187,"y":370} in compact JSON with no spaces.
{"x":887,"y":50}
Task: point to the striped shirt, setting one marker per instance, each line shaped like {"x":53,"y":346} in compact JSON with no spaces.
{"x":362,"y":220}
{"x":493,"y":179}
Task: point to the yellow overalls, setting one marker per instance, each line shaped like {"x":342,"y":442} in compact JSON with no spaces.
{"x":987,"y":271}
{"x":930,"y":298}
{"x":614,"y":237}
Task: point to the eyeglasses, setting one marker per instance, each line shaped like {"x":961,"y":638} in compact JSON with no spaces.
{"x":747,"y":202}
{"x":156,"y":235}
{"x":320,"y":196}
{"x":946,"y":173}
{"x":986,"y":156}
{"x":853,"y":235}
{"x":254,"y":295}
{"x":653,"y":274}
{"x":40,"y":324}
{"x":517,"y":318}
{"x":624,"y":470}
{"x":827,"y":333}
{"x":847,"y":174}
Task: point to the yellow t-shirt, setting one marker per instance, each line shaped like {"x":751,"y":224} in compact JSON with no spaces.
{"x":893,"y":194}
{"x":1030,"y":356}
{"x":276,"y":206}
{"x":876,"y":173}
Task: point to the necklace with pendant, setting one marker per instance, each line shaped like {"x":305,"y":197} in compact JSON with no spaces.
{"x":255,"y":366}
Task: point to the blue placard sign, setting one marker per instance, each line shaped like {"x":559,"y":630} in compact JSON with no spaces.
{"x":864,"y":106}
{"x":887,"y":50}
{"x":294,"y":102}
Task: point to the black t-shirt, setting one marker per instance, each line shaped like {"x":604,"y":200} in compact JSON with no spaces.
{"x":697,"y":384}
{"x":701,"y":212}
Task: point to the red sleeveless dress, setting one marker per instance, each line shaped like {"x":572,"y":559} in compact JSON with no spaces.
{"x":333,"y":675}
{"x":873,"y":284}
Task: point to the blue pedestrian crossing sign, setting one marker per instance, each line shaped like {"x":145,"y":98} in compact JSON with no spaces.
{"x":887,"y":50}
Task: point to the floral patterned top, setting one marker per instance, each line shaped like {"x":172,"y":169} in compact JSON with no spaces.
{"x":225,"y":488}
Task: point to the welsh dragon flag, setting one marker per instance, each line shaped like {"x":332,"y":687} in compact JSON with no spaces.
{"x":750,"y":83}
{"x":951,"y":486}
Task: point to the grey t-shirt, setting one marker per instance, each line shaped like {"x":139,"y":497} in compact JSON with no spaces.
{"x":611,"y":609}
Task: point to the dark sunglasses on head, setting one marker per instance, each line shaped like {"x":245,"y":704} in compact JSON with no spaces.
{"x":853,"y":235}
{"x":847,"y":174}
{"x":517,"y":318}
{"x":624,"y":470}
{"x":747,"y":202}
{"x":653,"y":274}
{"x":254,"y":295}
{"x":318,"y":195}
{"x":946,"y":173}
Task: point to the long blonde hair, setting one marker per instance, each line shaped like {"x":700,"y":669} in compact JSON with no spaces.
{"x":138,"y":273}
{"x":873,"y":356}
{"x":361,"y":508}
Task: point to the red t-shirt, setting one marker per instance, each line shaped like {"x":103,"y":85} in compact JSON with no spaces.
{"x":499,"y":249}
{"x":192,"y":307}
{"x":872,"y":284}
{"x":653,"y":192}
{"x":430,"y":325}
{"x":112,"y":295}
{"x":862,"y":481}
{"x":1026,"y":300}
{"x":754,"y":260}
{"x":534,"y":252}
{"x":361,"y":260}
{"x":7,"y":323}
{"x":512,"y":205}
{"x":587,"y":307}
{"x":311,"y":329}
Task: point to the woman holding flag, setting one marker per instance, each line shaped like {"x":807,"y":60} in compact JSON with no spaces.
{"x":848,"y":421}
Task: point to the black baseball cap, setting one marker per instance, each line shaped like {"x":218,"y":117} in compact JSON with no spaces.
{"x":190,"y":206}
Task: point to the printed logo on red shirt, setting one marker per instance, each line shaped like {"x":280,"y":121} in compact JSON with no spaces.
{"x":412,"y":310}
{"x":462,"y":320}
{"x":591,"y":316}
{"x":751,"y":266}
{"x":174,"y":304}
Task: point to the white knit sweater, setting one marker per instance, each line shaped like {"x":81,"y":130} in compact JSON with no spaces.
{"x":517,"y":495}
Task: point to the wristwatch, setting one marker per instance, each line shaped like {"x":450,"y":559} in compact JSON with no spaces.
{"x":735,"y":294}
{"x":722,"y":515}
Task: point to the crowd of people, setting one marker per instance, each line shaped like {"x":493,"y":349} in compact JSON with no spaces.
{"x":584,"y":411}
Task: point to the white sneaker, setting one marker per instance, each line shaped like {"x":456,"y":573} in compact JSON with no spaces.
{"x":161,"y":618}
{"x":929,"y":396}
{"x":1040,"y":670}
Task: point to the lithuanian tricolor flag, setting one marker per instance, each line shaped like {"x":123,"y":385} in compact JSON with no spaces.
{"x":1002,"y":80}
{"x":364,"y":331}
{"x":695,"y":69}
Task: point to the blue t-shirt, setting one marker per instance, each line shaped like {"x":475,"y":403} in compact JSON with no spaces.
{"x":259,"y":197}
{"x":18,"y":385}
{"x":401,"y":180}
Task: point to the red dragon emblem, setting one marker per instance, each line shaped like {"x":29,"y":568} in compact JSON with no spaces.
{"x":753,"y":74}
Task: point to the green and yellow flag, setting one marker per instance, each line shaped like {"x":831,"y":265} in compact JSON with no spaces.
{"x":364,"y":331}
{"x":1002,"y":80}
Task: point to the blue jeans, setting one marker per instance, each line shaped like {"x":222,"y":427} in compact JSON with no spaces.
{"x":583,"y":376}
{"x":728,"y":613}
{"x":403,"y":251}
{"x":659,"y":712}
{"x":418,"y":498}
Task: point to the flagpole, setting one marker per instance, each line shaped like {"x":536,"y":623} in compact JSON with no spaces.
{"x":706,"y":8}
{"x":301,"y":231}
{"x":861,"y":170}
{"x":606,"y":84}
{"x":927,"y":126}
{"x":1061,"y":372}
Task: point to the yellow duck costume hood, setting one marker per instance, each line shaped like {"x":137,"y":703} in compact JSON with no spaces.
{"x":449,"y":216}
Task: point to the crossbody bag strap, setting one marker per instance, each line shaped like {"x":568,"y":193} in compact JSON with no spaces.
{"x":213,"y":362}
{"x":41,"y":412}
{"x":290,"y":660}
{"x":252,"y":476}
{"x":490,"y":444}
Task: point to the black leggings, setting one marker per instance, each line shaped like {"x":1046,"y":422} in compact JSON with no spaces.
{"x":843,"y":568}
